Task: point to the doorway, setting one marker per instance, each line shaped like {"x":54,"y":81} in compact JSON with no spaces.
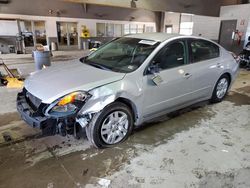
{"x":34,"y":32}
{"x":67,"y":33}
{"x":169,"y":29}
{"x":227,"y":29}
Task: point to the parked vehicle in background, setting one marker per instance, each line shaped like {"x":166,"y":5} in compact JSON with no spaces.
{"x":125,"y":83}
{"x":245,"y":56}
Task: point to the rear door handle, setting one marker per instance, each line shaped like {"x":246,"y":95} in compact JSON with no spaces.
{"x":187,"y":75}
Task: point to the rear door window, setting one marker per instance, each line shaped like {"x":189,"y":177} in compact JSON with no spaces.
{"x":202,"y":50}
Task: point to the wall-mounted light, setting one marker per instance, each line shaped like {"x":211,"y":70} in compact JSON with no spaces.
{"x":99,"y":15}
{"x":55,"y":12}
{"x":132,"y":18}
{"x":133,"y":3}
{"x":51,"y":11}
{"x":58,"y":13}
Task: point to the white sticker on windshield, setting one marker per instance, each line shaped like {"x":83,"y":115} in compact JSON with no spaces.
{"x":131,"y":67}
{"x":148,"y":42}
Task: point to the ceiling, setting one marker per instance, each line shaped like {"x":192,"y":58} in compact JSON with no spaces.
{"x":201,"y":7}
{"x":158,"y":5}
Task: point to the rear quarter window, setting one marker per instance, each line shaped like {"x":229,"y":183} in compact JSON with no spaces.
{"x":202,"y":50}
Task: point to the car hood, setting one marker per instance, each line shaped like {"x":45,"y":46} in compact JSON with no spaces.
{"x":54,"y":82}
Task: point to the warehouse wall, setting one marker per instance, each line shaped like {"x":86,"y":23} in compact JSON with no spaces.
{"x":50,"y":22}
{"x":239,"y":12}
{"x":173,"y":19}
{"x":51,"y":30}
{"x":208,"y":27}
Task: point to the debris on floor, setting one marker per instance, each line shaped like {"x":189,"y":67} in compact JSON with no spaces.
{"x":7,"y":137}
{"x":98,"y":182}
{"x":12,"y":79}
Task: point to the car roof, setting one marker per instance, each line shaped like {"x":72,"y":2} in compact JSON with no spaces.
{"x":160,"y":37}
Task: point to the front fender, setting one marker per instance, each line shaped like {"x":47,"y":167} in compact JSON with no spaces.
{"x":107,"y":94}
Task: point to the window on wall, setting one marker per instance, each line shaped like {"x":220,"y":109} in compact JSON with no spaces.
{"x":117,"y":30}
{"x":133,"y":28}
{"x":108,"y":30}
{"x":26,"y":26}
{"x":126,"y":29}
{"x":140,"y":28}
{"x":100,"y":28}
{"x":186,"y":24}
{"x":149,"y":29}
{"x":186,"y":28}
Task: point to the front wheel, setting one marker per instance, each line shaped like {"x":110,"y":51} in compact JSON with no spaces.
{"x":220,"y":89}
{"x":111,"y":126}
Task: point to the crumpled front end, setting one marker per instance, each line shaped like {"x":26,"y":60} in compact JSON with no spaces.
{"x":44,"y":116}
{"x":34,"y":113}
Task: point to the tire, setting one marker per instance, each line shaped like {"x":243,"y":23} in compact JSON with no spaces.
{"x":111,"y":126}
{"x":220,"y":89}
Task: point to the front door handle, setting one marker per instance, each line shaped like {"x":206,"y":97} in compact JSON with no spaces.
{"x":187,"y":75}
{"x":218,"y":65}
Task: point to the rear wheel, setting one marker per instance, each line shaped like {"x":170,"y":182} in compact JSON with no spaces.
{"x":111,"y":126}
{"x":220,"y":89}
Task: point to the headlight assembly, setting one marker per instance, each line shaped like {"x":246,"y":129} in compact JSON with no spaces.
{"x":69,"y":104}
{"x":65,"y":108}
{"x":72,"y":97}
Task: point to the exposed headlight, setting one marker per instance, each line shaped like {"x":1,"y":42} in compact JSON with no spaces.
{"x":69,"y":103}
{"x":65,"y":108}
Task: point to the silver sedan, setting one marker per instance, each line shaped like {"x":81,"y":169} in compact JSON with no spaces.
{"x":125,"y":83}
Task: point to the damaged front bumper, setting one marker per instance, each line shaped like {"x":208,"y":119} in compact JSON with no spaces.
{"x":32,"y":111}
{"x":38,"y":114}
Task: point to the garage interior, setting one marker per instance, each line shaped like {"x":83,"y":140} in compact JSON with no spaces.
{"x":205,"y":145}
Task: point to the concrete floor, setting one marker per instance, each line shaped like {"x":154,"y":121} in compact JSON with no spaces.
{"x":203,"y":146}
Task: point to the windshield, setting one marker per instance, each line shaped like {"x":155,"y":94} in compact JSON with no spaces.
{"x":122,"y":55}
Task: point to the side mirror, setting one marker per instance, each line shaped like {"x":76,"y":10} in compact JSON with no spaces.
{"x":153,"y":68}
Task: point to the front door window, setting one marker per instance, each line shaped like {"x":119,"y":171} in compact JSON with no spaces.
{"x":173,"y":55}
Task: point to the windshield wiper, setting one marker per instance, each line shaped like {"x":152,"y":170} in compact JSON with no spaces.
{"x":98,"y":66}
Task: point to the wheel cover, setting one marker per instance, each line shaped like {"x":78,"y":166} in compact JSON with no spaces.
{"x":222,"y":87}
{"x":114,"y":127}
